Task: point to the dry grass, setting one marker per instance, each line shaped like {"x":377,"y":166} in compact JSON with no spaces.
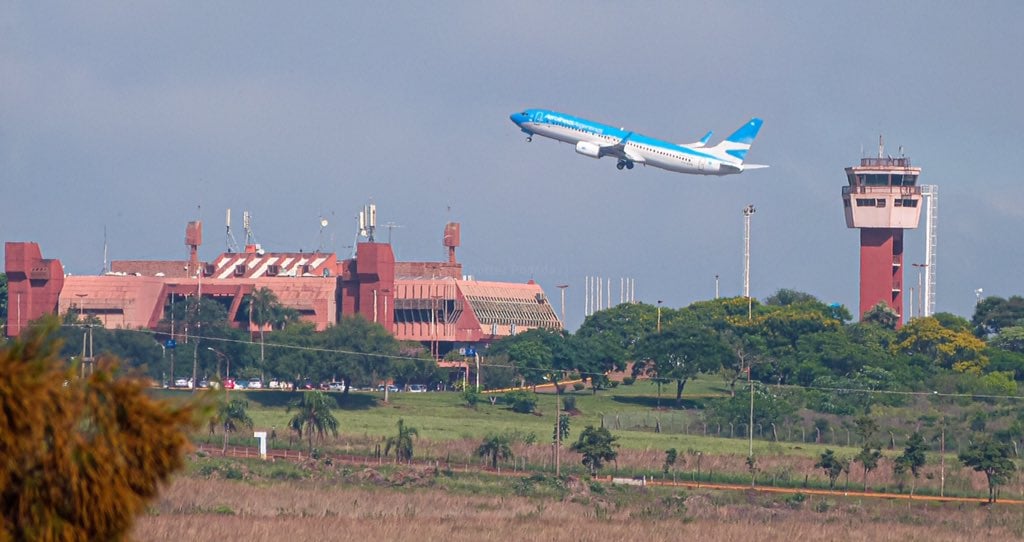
{"x":220,"y":510}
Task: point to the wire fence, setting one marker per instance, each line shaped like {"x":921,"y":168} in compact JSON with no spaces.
{"x":682,"y":423}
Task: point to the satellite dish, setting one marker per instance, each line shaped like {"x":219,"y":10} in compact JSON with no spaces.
{"x":323,"y":222}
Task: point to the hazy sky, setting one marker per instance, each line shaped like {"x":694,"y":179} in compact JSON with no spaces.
{"x":139,"y":117}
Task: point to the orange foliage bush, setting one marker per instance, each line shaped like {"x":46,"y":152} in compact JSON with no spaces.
{"x":79,"y":458}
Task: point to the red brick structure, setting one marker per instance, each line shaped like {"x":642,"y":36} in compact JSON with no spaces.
{"x":428,"y":302}
{"x":33,"y":285}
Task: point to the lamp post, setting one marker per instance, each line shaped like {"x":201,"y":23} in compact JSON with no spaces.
{"x":716,"y":286}
{"x":562,"y":287}
{"x":747,"y":212}
{"x":227,"y":360}
{"x":922,"y":305}
{"x":659,"y":316}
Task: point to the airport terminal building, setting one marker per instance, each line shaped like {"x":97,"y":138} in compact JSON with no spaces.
{"x":433,"y":303}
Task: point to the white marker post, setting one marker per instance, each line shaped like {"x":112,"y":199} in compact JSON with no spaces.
{"x":262,"y":435}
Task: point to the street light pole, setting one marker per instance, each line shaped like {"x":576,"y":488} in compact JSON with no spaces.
{"x":659,"y":316}
{"x":747,"y":212}
{"x":562,"y":287}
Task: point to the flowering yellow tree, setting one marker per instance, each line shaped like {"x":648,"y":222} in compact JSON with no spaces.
{"x":957,"y":350}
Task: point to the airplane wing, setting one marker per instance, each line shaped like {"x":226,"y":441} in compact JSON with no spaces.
{"x":619,"y":150}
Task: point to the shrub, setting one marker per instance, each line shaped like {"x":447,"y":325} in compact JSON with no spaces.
{"x":628,"y":380}
{"x":523,"y":402}
{"x":569,"y":402}
{"x":578,"y":386}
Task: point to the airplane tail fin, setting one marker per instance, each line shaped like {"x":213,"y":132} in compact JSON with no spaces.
{"x":734,"y":148}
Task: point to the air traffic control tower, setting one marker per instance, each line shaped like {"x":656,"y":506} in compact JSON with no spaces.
{"x":882,"y":198}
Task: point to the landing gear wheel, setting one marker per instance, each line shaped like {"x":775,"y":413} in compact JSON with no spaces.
{"x":620,"y":165}
{"x":629,"y":165}
{"x":529,"y":139}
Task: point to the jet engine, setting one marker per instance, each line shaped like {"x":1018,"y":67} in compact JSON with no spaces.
{"x":586,"y":148}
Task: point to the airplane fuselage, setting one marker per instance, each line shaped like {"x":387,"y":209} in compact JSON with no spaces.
{"x":597,"y":140}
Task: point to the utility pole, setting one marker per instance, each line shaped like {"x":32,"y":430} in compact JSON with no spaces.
{"x":558,"y":435}
{"x":659,"y":316}
{"x":716,"y":286}
{"x":750,"y":428}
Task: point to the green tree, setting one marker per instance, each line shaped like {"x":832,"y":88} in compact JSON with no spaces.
{"x":402,"y":442}
{"x":82,"y":458}
{"x":671,"y":456}
{"x":992,"y":458}
{"x":561,"y":431}
{"x":832,"y":465}
{"x":681,"y":351}
{"x":313,"y":416}
{"x":993,"y":314}
{"x":882,"y":315}
{"x":232,"y":414}
{"x":911,"y":460}
{"x":597,"y":447}
{"x":495,"y":447}
{"x":1009,"y":338}
{"x":868,"y":458}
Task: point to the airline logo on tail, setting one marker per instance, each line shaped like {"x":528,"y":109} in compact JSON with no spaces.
{"x":598,"y":140}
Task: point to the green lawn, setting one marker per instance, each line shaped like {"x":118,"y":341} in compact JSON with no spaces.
{"x":443,"y":416}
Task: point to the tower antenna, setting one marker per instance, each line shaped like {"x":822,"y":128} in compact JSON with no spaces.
{"x":232,"y":245}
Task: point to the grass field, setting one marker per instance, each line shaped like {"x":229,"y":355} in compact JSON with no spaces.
{"x":449,"y":431}
{"x":254,"y":500}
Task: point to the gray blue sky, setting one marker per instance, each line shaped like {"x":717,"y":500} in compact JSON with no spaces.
{"x":138,"y":117}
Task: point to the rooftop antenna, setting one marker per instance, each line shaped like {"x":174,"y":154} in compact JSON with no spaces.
{"x":230,"y":237}
{"x":390,"y":226}
{"x":323,"y":226}
{"x":250,"y":238}
{"x":368,"y":221}
{"x":106,"y":264}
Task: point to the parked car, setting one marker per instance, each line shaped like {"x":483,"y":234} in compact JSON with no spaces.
{"x":183,"y":383}
{"x":229,"y":384}
{"x":336,"y":386}
{"x":254,"y":384}
{"x":417,"y":388}
{"x":240,"y":384}
{"x":274,"y":384}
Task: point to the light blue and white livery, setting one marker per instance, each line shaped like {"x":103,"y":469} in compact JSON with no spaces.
{"x":598,"y":140}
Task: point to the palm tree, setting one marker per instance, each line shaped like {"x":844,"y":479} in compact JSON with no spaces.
{"x":402,"y":442}
{"x":314,"y":415}
{"x":230,"y":415}
{"x":263,"y":309}
{"x":496,"y":447}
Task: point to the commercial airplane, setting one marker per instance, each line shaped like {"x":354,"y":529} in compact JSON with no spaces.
{"x":597,"y":140}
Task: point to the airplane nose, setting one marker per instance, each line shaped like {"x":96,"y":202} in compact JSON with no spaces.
{"x":517,"y":118}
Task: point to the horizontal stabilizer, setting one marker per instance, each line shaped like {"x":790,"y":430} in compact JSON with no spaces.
{"x":703,"y":141}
